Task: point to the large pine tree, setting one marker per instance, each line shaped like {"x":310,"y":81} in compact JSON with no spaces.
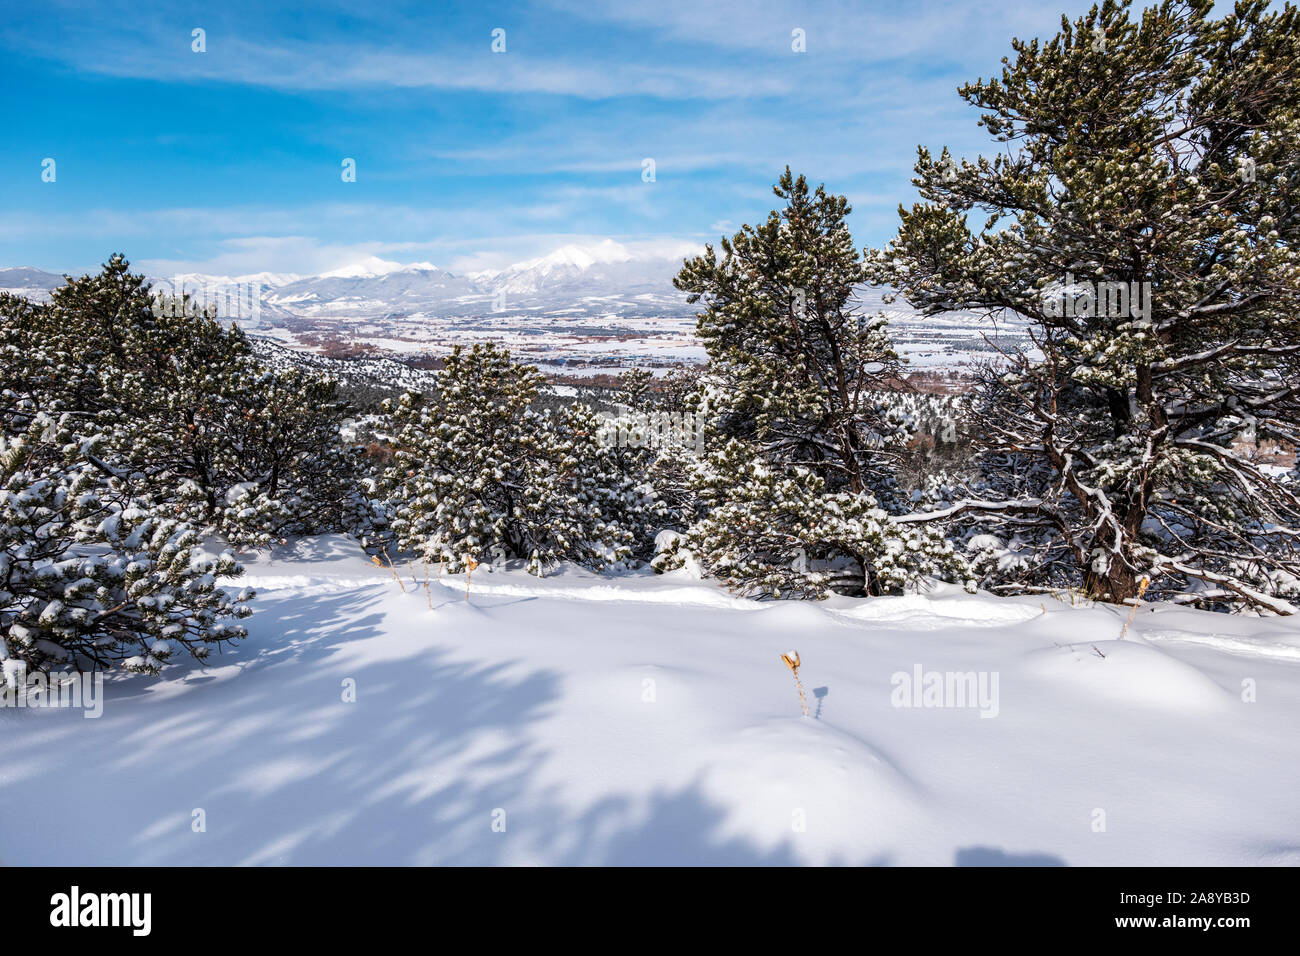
{"x":795,"y":366}
{"x":479,"y":474}
{"x":796,"y":491}
{"x":1143,"y":217}
{"x":189,"y":418}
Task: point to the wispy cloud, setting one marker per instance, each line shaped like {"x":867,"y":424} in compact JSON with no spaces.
{"x":231,"y":157}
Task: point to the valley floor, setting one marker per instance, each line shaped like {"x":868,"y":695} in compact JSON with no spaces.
{"x":646,"y":719}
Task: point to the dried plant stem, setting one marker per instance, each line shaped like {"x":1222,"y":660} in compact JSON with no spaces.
{"x":1137,"y":602}
{"x":395,"y":575}
{"x":792,"y":661}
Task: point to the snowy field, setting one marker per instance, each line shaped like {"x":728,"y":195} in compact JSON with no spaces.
{"x":649,"y":719}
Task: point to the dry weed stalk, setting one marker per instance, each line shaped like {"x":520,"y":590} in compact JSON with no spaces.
{"x":792,"y":661}
{"x":470,"y":565}
{"x":379,"y":564}
{"x":1137,"y":601}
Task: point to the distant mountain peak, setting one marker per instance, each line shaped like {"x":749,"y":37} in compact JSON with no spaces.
{"x":29,"y":282}
{"x":599,"y":275}
{"x":577,"y":256}
{"x":372,"y":267}
{"x":583,"y":256}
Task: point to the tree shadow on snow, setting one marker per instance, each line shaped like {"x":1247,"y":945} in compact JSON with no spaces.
{"x":438,"y":761}
{"x":992,"y":856}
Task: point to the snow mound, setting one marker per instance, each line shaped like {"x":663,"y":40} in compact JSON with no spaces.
{"x":1131,"y":672}
{"x":916,"y":610}
{"x":1283,"y":647}
{"x":802,"y":779}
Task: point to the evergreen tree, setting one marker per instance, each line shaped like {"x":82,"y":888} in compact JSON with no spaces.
{"x":88,"y":578}
{"x":482,"y":475}
{"x":1144,"y":220}
{"x":188,"y":418}
{"x":781,"y":534}
{"x":795,"y":494}
{"x":794,"y":366}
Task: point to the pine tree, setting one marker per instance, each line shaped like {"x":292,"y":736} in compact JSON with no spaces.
{"x":1144,"y":220}
{"x":188,"y":418}
{"x":88,"y":578}
{"x":794,"y":366}
{"x":658,"y":432}
{"x":480,"y":474}
{"x":795,"y":495}
{"x":781,"y":534}
{"x":293,"y":472}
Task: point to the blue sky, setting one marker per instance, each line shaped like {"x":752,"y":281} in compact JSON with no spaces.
{"x":228,"y":161}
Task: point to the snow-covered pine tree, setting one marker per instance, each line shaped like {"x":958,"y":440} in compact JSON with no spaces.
{"x":189,"y":417}
{"x":596,"y":493}
{"x":87,"y":578}
{"x":37,"y":373}
{"x":295,"y":473}
{"x":779,"y":533}
{"x":798,"y":483}
{"x":1144,"y":219}
{"x":680,"y":396}
{"x":478,"y":473}
{"x":634,"y":388}
{"x":794,"y":365}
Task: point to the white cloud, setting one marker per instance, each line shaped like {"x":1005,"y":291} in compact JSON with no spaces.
{"x":248,"y":255}
{"x":293,"y":64}
{"x":251,"y":254}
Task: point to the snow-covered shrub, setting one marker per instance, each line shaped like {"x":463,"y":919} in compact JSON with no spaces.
{"x":92,"y":579}
{"x":483,"y":475}
{"x":186,"y":413}
{"x":782,"y":535}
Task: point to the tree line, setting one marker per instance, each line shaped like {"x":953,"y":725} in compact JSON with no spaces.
{"x":1150,"y":154}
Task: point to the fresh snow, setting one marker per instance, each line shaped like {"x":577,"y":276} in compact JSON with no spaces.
{"x":643,"y":719}
{"x":373,"y":266}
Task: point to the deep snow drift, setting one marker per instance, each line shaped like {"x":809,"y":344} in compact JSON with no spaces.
{"x":649,"y":719}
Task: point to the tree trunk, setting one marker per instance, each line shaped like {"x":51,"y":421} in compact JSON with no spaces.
{"x":1117,"y":585}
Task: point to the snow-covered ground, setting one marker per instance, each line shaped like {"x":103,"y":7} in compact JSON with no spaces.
{"x":645,"y":720}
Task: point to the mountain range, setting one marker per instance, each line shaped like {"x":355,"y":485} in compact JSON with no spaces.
{"x":606,"y":278}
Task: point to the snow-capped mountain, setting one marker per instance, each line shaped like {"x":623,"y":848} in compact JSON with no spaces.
{"x":264,"y":279}
{"x":373,"y":266}
{"x":365,"y":292}
{"x":592,"y":281}
{"x":29,"y":283}
{"x":606,"y":275}
{"x":601,"y":278}
{"x":596,"y":279}
{"x":594,"y":307}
